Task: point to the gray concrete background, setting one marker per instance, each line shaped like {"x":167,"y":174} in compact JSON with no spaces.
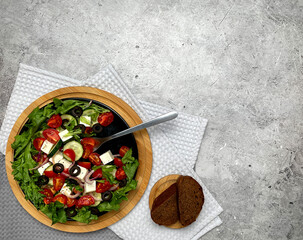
{"x":236,"y":63}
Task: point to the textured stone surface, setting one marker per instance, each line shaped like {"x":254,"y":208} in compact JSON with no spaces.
{"x":237,"y":63}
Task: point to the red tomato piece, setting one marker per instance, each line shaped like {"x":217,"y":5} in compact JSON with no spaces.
{"x":60,"y":198}
{"x":47,"y":200}
{"x":118,"y":162}
{"x":123,"y":150}
{"x":50,"y":174}
{"x":97,"y":173}
{"x":71,"y":202}
{"x":55,"y":121}
{"x":86,"y":165}
{"x":106,"y":118}
{"x":88,"y":149}
{"x":103,"y":187}
{"x":58,"y":182}
{"x":70,"y":154}
{"x":51,"y":135}
{"x":47,"y":192}
{"x":94,"y":158}
{"x":88,"y":130}
{"x":86,"y":200}
{"x":38,"y":142}
{"x":120,"y":174}
{"x":88,"y":141}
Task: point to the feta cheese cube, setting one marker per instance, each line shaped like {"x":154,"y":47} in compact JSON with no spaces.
{"x":65,"y":163}
{"x":46,"y":147}
{"x":82,"y":174}
{"x":65,"y":190}
{"x":90,"y":187}
{"x":57,"y":157}
{"x":42,"y":168}
{"x":85,"y":120}
{"x":62,"y":135}
{"x":107,"y":157}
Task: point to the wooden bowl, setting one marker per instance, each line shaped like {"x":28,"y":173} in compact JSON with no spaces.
{"x":144,"y":157}
{"x":159,"y":187}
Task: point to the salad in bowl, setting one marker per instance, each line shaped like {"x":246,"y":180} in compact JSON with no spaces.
{"x":57,"y":169}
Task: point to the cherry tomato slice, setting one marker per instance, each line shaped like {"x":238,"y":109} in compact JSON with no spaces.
{"x":88,"y":141}
{"x":70,"y":154}
{"x":103,"y":187}
{"x":71,"y":202}
{"x":106,"y":118}
{"x":86,"y":200}
{"x":51,"y":135}
{"x":86,"y":165}
{"x":97,"y":173}
{"x":123,"y":150}
{"x":55,"y":121}
{"x":88,"y":149}
{"x":38,"y":143}
{"x":50,"y":174}
{"x":47,"y":192}
{"x":88,"y":130}
{"x":58,"y":182}
{"x":120,"y":174}
{"x":47,"y":200}
{"x":94,"y":158}
{"x":118,"y":162}
{"x":40,"y":159}
{"x":60,"y":198}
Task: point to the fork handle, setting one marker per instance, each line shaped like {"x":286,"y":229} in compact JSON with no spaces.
{"x":155,"y":121}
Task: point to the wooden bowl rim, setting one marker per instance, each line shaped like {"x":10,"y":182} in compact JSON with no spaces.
{"x":144,"y":157}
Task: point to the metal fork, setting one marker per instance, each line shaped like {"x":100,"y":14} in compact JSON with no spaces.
{"x":155,"y":121}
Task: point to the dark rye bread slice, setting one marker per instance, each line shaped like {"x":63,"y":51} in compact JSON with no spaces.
{"x":165,"y":207}
{"x":190,"y":199}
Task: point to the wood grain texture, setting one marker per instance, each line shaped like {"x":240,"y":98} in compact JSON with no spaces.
{"x":159,"y":187}
{"x":144,"y":157}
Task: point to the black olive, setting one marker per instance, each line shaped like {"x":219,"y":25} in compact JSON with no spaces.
{"x":107,"y":196}
{"x":58,"y":168}
{"x":71,"y":212}
{"x":81,"y":126}
{"x":76,"y":111}
{"x":123,"y":182}
{"x":42,"y":180}
{"x":94,"y":211}
{"x":97,"y":128}
{"x":72,"y":181}
{"x":64,"y":122}
{"x":74,"y":171}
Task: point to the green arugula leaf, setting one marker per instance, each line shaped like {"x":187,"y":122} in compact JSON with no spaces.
{"x":131,"y":164}
{"x":84,"y":120}
{"x":55,"y":211}
{"x":84,"y":215}
{"x":107,"y":172}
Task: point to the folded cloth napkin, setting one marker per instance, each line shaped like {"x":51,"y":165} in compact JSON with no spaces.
{"x":137,"y":224}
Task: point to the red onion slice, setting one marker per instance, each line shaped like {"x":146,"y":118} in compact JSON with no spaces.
{"x":71,"y":177}
{"x":86,"y":179}
{"x":113,"y":188}
{"x":40,"y":165}
{"x":117,"y":155}
{"x":73,"y":196}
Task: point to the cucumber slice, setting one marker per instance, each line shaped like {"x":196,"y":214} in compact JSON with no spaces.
{"x":92,"y":113}
{"x":70,"y":118}
{"x":77,"y":147}
{"x":55,"y":149}
{"x":50,"y":168}
{"x":97,"y":196}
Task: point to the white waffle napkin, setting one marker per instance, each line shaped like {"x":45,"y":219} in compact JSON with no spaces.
{"x":182,"y":136}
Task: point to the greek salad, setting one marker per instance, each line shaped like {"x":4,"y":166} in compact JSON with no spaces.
{"x":57,"y":169}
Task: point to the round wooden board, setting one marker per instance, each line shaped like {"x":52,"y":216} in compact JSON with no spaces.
{"x":144,"y":157}
{"x":160,"y":187}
